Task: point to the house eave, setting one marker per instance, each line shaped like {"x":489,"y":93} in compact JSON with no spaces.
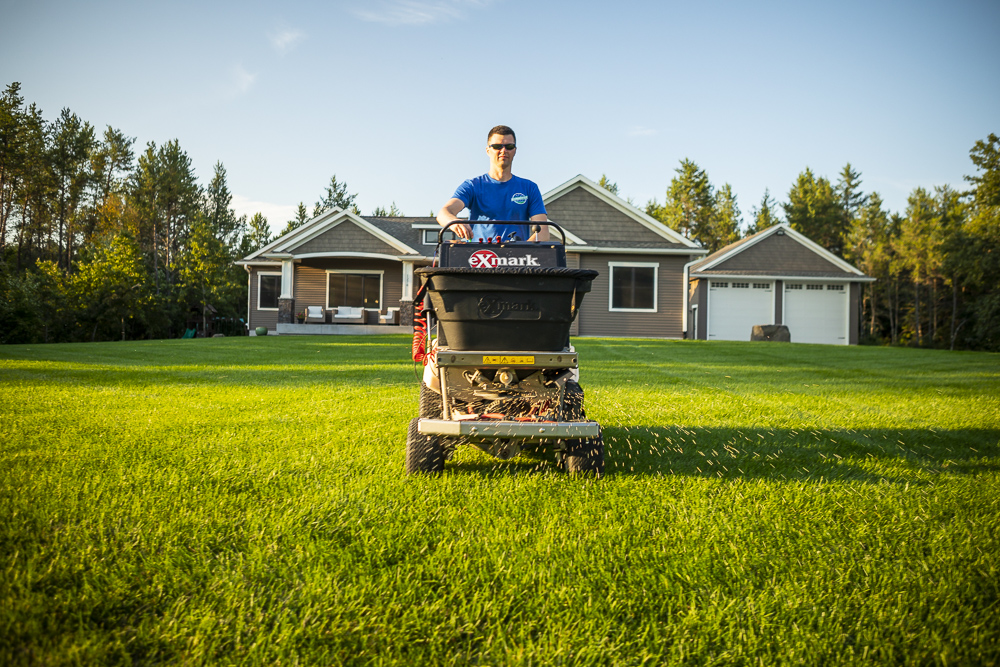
{"x":637,"y":251}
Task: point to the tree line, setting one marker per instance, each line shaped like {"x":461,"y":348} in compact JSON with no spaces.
{"x":937,"y":263}
{"x":101,"y":241}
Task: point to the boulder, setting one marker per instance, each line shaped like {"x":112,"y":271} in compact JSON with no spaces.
{"x":771,"y":332}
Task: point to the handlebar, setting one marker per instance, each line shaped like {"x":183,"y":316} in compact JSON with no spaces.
{"x":535,"y":228}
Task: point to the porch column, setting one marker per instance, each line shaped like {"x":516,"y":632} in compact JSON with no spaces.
{"x":406,"y":296}
{"x":286,"y":300}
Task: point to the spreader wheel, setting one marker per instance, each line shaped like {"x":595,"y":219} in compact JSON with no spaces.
{"x":424,"y":453}
{"x":573,"y":402}
{"x":430,"y":403}
{"x":586,"y":457}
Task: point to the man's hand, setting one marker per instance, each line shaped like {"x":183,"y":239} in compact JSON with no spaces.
{"x":449,"y":213}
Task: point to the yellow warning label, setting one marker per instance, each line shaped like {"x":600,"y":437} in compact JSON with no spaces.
{"x":508,"y":361}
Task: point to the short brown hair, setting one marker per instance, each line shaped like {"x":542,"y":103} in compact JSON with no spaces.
{"x":503,"y":131}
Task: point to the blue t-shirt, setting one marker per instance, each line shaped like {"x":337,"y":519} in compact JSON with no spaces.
{"x":488,"y":199}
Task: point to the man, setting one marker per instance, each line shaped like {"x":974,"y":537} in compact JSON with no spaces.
{"x":497,"y":195}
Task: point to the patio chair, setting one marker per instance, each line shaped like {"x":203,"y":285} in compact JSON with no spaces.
{"x":315,"y":314}
{"x":391,"y":316}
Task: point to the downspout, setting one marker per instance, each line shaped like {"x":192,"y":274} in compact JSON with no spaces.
{"x":249,"y":276}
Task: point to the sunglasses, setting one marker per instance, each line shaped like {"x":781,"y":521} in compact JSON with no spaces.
{"x":497,"y":147}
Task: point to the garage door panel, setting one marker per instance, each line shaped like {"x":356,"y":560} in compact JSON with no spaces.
{"x":816,"y":313}
{"x":735,"y":307}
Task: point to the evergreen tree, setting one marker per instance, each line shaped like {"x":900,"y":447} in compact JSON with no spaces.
{"x":689,"y":207}
{"x":606,"y":183}
{"x":258,"y":235}
{"x":222,"y":219}
{"x":336,"y":196}
{"x":727,"y":220}
{"x":301,"y":218}
{"x":814,"y":209}
{"x":765,"y":215}
{"x":71,"y":141}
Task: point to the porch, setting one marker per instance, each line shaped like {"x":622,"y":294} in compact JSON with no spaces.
{"x":320,"y":329}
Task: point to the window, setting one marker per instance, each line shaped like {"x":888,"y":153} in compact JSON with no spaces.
{"x":717,"y":284}
{"x":761,"y":285}
{"x":268,"y":290}
{"x":793,"y":286}
{"x":356,"y":290}
{"x":431,"y":236}
{"x":741,"y":285}
{"x":814,"y":287}
{"x":835,"y":288}
{"x":633,"y":286}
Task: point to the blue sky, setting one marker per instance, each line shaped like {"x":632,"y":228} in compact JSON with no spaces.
{"x":395,"y":96}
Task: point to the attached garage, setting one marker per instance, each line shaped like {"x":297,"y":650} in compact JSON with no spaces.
{"x":777,"y":276}
{"x":817,"y":312}
{"x":735,"y":306}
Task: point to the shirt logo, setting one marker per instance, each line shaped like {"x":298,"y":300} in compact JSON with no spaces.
{"x":520,"y":199}
{"x":483,"y":259}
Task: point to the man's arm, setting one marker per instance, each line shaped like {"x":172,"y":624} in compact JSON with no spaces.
{"x":543,"y":232}
{"x":449,"y":213}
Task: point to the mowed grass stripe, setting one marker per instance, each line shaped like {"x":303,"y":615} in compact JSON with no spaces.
{"x":242,"y":500}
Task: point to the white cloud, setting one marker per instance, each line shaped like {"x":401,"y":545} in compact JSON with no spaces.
{"x":277,"y":214}
{"x":640,"y":131}
{"x":416,"y":12}
{"x":242,"y":80}
{"x":286,"y":40}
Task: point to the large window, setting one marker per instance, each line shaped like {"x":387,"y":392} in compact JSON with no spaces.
{"x":356,"y":290}
{"x":633,"y":286}
{"x":268,"y":290}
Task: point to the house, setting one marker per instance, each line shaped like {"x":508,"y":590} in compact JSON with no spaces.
{"x":340,"y":260}
{"x":776,"y":276}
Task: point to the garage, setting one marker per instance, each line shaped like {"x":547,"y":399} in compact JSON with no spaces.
{"x":817,"y":312}
{"x":776,"y":276}
{"x":735,"y":306}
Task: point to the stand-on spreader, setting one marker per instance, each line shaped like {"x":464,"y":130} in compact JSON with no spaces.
{"x":491,"y":323}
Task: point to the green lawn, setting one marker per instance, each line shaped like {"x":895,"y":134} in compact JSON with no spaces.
{"x":243,"y":500}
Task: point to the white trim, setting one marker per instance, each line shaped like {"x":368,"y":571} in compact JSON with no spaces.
{"x":656,"y":286}
{"x":786,"y":229}
{"x":365,"y":255}
{"x":347,"y":216}
{"x":698,"y":275}
{"x":406,"y":293}
{"x":366,"y":272}
{"x":639,"y":251}
{"x":287,"y":279}
{"x":260,"y":274}
{"x":617,"y":202}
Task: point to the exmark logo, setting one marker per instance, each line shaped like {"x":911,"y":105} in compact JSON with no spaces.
{"x":487,"y":259}
{"x":520,"y":199}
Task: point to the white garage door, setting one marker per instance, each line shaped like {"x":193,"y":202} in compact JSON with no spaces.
{"x":735,"y":307}
{"x":816,"y":312}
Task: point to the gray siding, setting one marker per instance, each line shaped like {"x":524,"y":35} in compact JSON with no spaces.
{"x":261,"y":318}
{"x":345,"y":237}
{"x":596,"y":222}
{"x":310,"y":280}
{"x":779,"y":255}
{"x":596,"y":319}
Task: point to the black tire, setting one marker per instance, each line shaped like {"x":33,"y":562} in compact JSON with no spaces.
{"x":573,"y":402}
{"x":430,"y":403}
{"x":586,"y":457}
{"x":424,"y":453}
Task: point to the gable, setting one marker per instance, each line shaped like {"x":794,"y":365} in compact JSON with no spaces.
{"x":779,"y":254}
{"x":596,"y":222}
{"x":344,"y":237}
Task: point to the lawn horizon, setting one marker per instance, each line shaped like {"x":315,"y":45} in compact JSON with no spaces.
{"x":243,"y":500}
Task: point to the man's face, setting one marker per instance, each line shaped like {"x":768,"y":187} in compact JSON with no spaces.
{"x":503,"y":156}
